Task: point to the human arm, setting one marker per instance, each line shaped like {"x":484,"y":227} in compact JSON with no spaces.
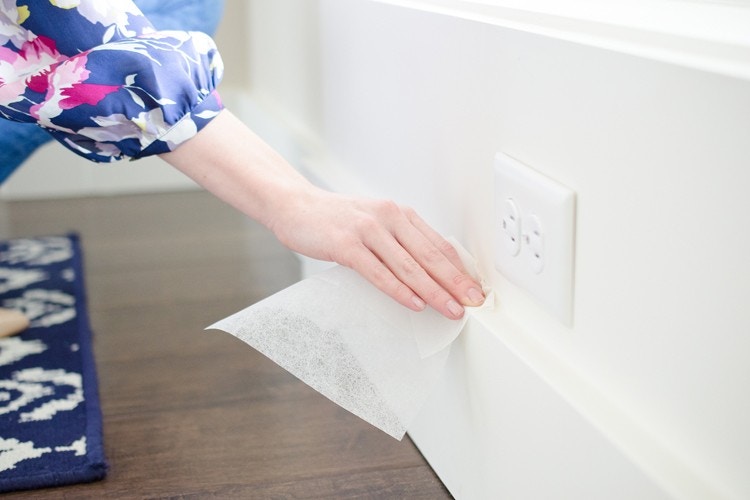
{"x":107,"y":86}
{"x":389,"y":245}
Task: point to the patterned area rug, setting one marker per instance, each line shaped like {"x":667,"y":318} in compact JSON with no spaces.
{"x":50,"y":421}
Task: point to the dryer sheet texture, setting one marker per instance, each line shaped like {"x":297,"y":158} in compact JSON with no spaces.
{"x":358,"y":347}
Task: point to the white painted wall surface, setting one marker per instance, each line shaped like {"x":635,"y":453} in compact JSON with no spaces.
{"x":648,"y":395}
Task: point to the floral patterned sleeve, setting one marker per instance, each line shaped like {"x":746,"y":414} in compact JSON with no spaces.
{"x":102,"y":80}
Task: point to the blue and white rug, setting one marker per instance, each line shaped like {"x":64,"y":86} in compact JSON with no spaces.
{"x":50,"y":420}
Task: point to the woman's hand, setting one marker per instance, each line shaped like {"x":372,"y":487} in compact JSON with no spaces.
{"x":389,"y":245}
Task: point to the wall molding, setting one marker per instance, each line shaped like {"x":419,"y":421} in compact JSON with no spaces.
{"x":709,"y":36}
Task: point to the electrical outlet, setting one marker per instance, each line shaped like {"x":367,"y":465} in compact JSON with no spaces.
{"x":540,"y":213}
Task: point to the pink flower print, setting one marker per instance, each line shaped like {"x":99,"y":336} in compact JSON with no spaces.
{"x":41,"y":51}
{"x":66,"y":89}
{"x":85,"y":93}
{"x":35,"y":56}
{"x":11,"y":87}
{"x":27,"y":67}
{"x":11,"y":92}
{"x":39,"y":54}
{"x":8,"y":60}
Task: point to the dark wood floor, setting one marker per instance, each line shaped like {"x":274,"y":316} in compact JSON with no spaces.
{"x":190,"y":413}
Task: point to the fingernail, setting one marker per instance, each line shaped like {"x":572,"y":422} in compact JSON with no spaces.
{"x":418,"y":302}
{"x":475,"y":296}
{"x":455,"y":308}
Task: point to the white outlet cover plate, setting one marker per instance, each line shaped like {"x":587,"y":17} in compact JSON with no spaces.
{"x":553,"y":204}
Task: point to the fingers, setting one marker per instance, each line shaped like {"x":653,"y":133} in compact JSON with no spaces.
{"x":362,"y":260}
{"x":399,"y":253}
{"x":415,"y":264}
{"x":436,"y":254}
{"x":435,"y":238}
{"x":409,"y":271}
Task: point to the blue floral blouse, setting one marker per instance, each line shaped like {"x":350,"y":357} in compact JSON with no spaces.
{"x":102,"y":80}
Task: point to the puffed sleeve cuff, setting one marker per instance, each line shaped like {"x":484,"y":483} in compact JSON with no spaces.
{"x":187,"y":127}
{"x":133,"y":97}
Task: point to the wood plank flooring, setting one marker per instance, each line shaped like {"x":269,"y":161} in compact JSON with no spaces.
{"x":190,"y":413}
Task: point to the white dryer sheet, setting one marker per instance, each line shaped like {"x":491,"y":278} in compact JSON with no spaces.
{"x":358,"y":347}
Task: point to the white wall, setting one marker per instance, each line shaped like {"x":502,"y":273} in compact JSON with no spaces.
{"x":648,"y":394}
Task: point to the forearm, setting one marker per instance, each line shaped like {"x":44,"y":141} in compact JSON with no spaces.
{"x":237,"y":166}
{"x":389,"y":245}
